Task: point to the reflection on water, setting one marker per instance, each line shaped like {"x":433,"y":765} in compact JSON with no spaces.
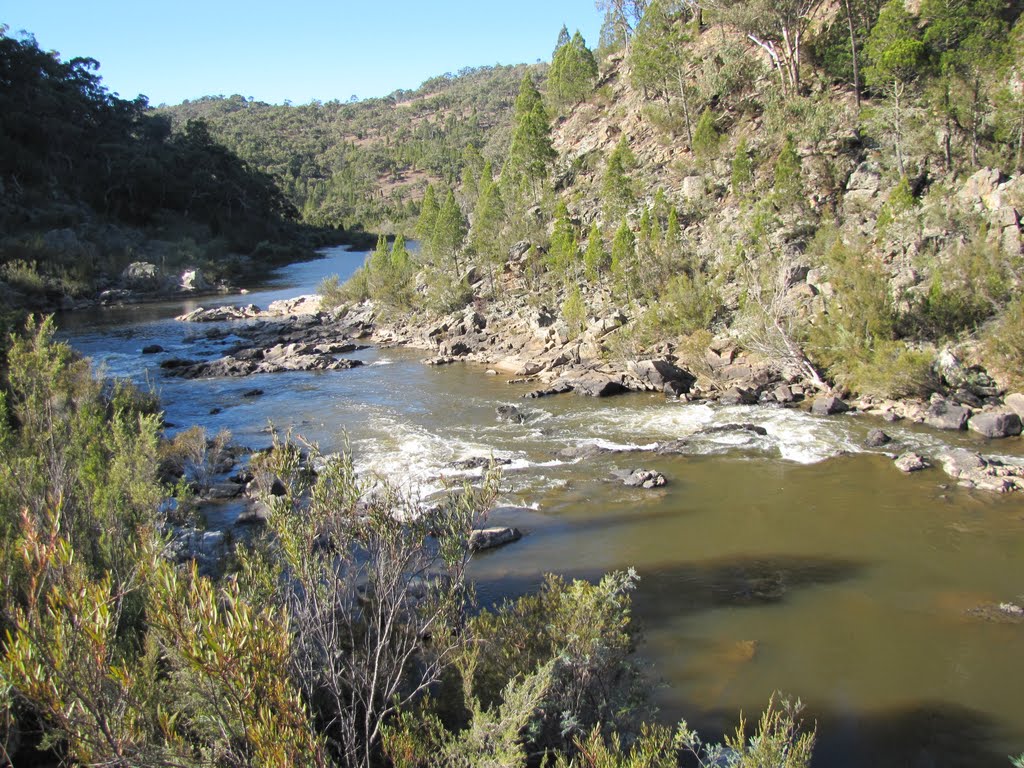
{"x":792,"y":561}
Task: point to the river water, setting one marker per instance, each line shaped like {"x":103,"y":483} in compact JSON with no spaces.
{"x":797,"y":561}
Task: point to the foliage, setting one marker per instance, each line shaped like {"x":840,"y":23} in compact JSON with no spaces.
{"x":596,"y":260}
{"x":573,"y":73}
{"x":584,"y":631}
{"x":706,"y":138}
{"x":530,"y":154}
{"x":618,"y":195}
{"x":742,"y":177}
{"x":689,"y":303}
{"x":574,"y":312}
{"x":1003,"y":342}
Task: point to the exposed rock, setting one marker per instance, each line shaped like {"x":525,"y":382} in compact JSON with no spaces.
{"x":152,"y":349}
{"x":220,"y":314}
{"x":675,"y":389}
{"x":440,"y":361}
{"x":594,"y":384}
{"x":558,"y":388}
{"x":877,"y":438}
{"x":999,"y":613}
{"x":479,"y":462}
{"x":784,"y":394}
{"x":250,"y":393}
{"x":911,"y":462}
{"x":738,"y":396}
{"x":995,"y":424}
{"x":511,"y":414}
{"x":300,"y":305}
{"x":142,"y":276}
{"x":717,"y":429}
{"x":943,"y":414}
{"x":959,"y":462}
{"x":1015,"y":402}
{"x":490,"y":538}
{"x":828,"y":405}
{"x":193,"y":280}
{"x":655,"y":374}
{"x":277,"y":359}
{"x":256,"y":513}
{"x":642,"y":478}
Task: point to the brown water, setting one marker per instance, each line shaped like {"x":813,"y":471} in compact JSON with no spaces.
{"x":767,"y":563}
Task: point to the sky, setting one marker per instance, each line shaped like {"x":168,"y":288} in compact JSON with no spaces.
{"x":295,"y":50}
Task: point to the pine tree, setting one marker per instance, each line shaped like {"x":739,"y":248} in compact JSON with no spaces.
{"x":563,"y":254}
{"x":573,"y":73}
{"x":595,"y":260}
{"x":660,"y":58}
{"x":488,"y":221}
{"x":742,"y":169}
{"x":563,"y":39}
{"x":531,"y":153}
{"x":428,"y":215}
{"x":897,"y":56}
{"x":672,"y":231}
{"x":449,"y":232}
{"x":617,"y":193}
{"x":706,"y":137}
{"x":789,"y":189}
{"x":623,"y":249}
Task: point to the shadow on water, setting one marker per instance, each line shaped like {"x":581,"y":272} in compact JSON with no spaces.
{"x":929,"y":734}
{"x":668,"y":592}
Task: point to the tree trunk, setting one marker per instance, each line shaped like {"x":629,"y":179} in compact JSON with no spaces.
{"x":853,"y":51}
{"x":686,"y":107}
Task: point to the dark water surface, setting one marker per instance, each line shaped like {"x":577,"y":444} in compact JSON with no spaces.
{"x":795,"y":562}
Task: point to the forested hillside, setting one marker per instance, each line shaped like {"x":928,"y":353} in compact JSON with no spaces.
{"x":366,"y":163}
{"x":90,"y":182}
{"x":832,"y":187}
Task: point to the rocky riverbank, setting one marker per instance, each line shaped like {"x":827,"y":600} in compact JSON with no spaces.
{"x":530,"y":345}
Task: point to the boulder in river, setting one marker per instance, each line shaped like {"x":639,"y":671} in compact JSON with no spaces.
{"x":594,"y":384}
{"x":1015,"y":402}
{"x":828,"y":405}
{"x":152,"y":349}
{"x":911,"y":462}
{"x":877,"y":438}
{"x":511,"y":414}
{"x":943,"y":414}
{"x":642,"y":478}
{"x":738,"y":396}
{"x":490,"y":538}
{"x":995,"y":424}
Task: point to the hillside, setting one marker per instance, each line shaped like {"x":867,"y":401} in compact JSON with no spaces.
{"x":754,"y":227}
{"x":365,"y":164}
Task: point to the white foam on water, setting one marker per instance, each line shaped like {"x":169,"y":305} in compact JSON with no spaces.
{"x":382,"y":361}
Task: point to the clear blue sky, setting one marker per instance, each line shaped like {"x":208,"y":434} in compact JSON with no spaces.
{"x":298,"y":50}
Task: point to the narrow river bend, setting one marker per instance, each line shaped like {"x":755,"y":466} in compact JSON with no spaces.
{"x":796,"y":561}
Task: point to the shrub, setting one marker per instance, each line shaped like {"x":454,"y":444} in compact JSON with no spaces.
{"x":574,"y":312}
{"x":1003,"y":344}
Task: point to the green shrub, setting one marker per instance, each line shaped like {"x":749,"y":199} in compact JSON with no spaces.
{"x":1003,"y":344}
{"x":574,"y":312}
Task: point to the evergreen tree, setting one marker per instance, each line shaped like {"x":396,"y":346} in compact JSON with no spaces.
{"x":706,"y":137}
{"x":531,"y":154}
{"x":380,"y":259}
{"x":896,"y":58}
{"x":623,"y":256}
{"x":788,"y":190}
{"x":428,"y":215}
{"x":563,"y":39}
{"x":742,"y":169}
{"x":617,"y":195}
{"x":595,"y":260}
{"x":449,"y":232}
{"x":672,"y":231}
{"x":573,"y":73}
{"x":488,"y":221}
{"x":660,"y":59}
{"x":563,"y":254}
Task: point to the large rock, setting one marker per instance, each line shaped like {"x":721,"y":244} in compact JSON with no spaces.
{"x":960,"y":462}
{"x":738,"y":396}
{"x":142,"y":276}
{"x":594,"y":384}
{"x":995,"y":424}
{"x":219,"y":314}
{"x":828,"y":405}
{"x":193,"y":280}
{"x":1015,"y":403}
{"x":655,"y":374}
{"x":490,"y":538}
{"x":642,"y":478}
{"x":877,"y":438}
{"x":945,"y":415}
{"x":911,"y":462}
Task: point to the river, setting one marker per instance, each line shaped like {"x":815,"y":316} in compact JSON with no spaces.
{"x":797,"y":561}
